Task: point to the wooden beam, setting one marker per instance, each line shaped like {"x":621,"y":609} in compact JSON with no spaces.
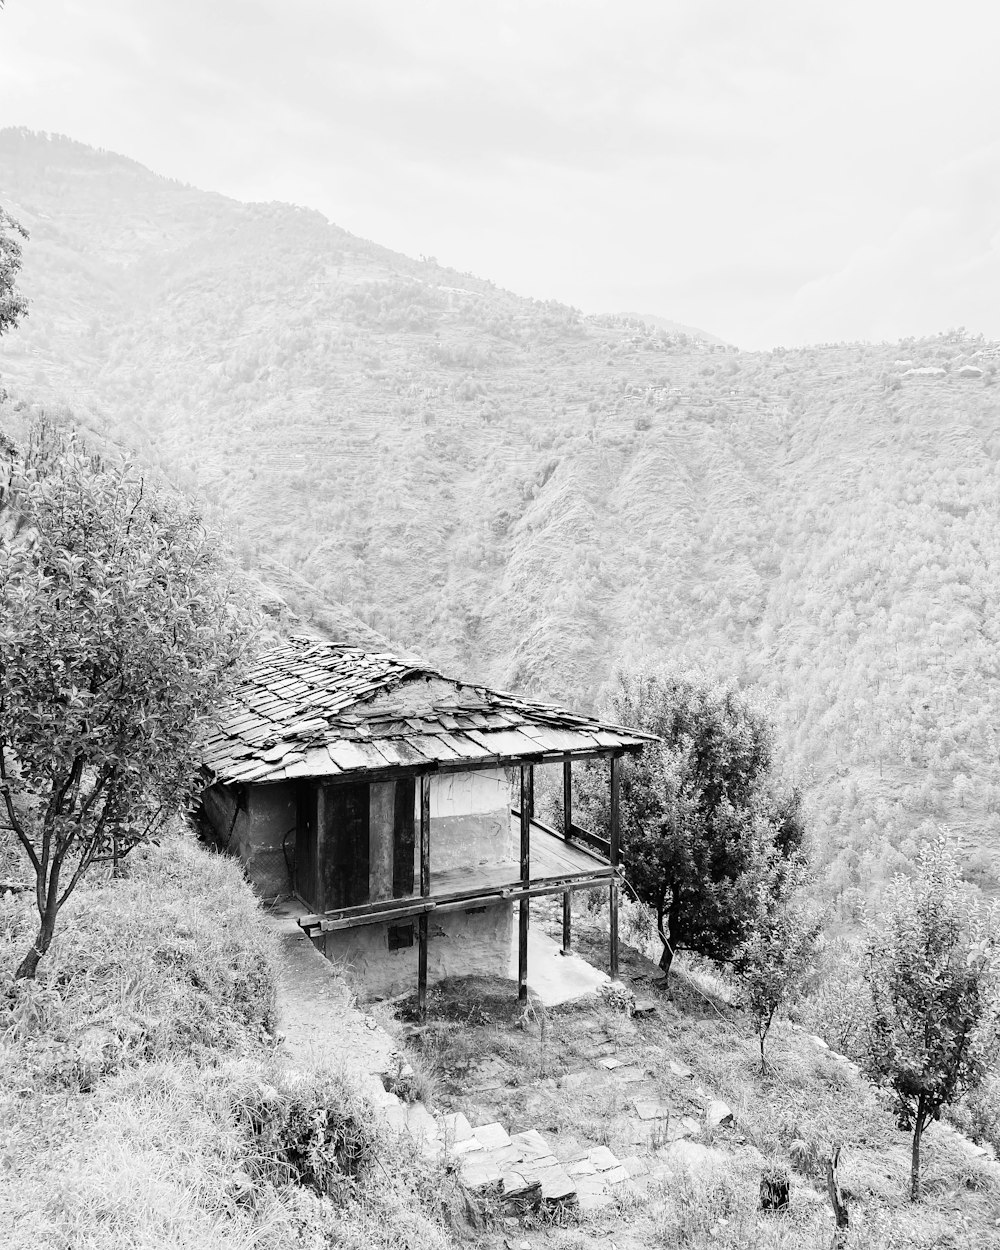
{"x":522,"y":918}
{"x":567,"y":903}
{"x":531,"y":791}
{"x":425,"y":889}
{"x":403,"y":911}
{"x":613,"y":899}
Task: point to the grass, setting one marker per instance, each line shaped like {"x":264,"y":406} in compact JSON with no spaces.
{"x":142,"y":1099}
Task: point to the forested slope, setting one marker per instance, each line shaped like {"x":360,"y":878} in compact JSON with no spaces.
{"x":531,"y":496}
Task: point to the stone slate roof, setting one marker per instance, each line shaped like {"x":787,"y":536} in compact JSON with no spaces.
{"x":310,"y":708}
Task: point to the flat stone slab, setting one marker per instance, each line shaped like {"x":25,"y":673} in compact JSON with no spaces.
{"x":420,"y":1122}
{"x":678,"y":1131}
{"x":503,"y":1156}
{"x":456,"y":1127}
{"x":479,"y":1172}
{"x":592,"y":1194}
{"x":491,"y":1136}
{"x":550,"y":1174}
{"x":531,"y":1144}
{"x":614,"y":1176}
{"x":644,"y":1007}
{"x":609,"y":1062}
{"x":630,"y":1074}
{"x":650,"y":1109}
{"x":680,"y":1069}
{"x":602,"y":1158}
{"x":395,"y":1113}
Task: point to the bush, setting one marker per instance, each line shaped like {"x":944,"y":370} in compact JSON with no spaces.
{"x":836,"y":1004}
{"x":318,"y":1132}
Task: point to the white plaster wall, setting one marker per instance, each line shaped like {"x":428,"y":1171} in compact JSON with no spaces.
{"x":470,"y":820}
{"x":463,"y":794}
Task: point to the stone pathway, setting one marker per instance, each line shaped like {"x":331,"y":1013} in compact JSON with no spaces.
{"x":520,"y":1171}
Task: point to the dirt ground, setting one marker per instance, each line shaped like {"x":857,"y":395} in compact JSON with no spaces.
{"x":323,"y":1025}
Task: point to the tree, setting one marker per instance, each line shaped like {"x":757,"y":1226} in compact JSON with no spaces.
{"x":706,"y":833}
{"x":933,"y":973}
{"x":13,"y":305}
{"x":780,"y":952}
{"x":118,"y":628}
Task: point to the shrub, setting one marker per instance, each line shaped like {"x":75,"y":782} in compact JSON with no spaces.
{"x":836,"y":1004}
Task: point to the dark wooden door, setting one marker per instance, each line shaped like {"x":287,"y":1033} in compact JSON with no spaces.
{"x":403,"y":839}
{"x":306,"y":865}
{"x":344,"y":850}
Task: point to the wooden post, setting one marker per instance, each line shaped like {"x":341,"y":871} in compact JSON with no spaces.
{"x":613,"y":901}
{"x":842,"y":1220}
{"x":531,"y":791}
{"x":567,"y":934}
{"x":425,"y":889}
{"x":522,"y":919}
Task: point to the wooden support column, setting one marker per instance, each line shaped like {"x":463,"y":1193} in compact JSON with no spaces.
{"x":425,"y":889}
{"x":531,"y":791}
{"x":522,"y":919}
{"x":567,"y":933}
{"x":613,"y":902}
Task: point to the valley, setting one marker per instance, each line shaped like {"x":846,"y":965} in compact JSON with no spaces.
{"x":532,"y":497}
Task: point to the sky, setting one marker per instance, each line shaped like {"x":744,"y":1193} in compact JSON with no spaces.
{"x":772,"y":171}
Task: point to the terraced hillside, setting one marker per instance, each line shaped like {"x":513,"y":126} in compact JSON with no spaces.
{"x":532,"y":496}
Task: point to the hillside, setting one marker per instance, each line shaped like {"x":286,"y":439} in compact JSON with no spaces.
{"x":531,"y":496}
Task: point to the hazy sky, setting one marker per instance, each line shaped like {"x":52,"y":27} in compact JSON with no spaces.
{"x":774,"y":172}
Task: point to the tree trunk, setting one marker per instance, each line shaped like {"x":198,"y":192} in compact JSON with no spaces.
{"x":667,"y":956}
{"x":27,"y":967}
{"x":918,"y":1128}
{"x":841,"y":1217}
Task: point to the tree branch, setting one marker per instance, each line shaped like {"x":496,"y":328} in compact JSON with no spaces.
{"x":12,"y":816}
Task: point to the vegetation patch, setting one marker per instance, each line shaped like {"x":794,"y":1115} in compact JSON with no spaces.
{"x":142,"y":1101}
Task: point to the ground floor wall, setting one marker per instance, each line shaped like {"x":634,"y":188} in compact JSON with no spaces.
{"x":257,"y":824}
{"x":460,"y":943}
{"x":270,"y":827}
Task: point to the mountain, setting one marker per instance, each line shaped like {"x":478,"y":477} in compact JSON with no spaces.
{"x":676,"y":328}
{"x":532,"y":497}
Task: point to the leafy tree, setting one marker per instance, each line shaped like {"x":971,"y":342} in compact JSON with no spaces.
{"x":780,"y":952}
{"x":933,"y":973}
{"x":118,"y":628}
{"x":13,"y":305}
{"x":706,"y":834}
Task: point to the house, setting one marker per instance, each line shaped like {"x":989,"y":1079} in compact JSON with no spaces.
{"x":397,"y":805}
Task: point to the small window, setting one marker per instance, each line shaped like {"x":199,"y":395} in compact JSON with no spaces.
{"x":400,"y":936}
